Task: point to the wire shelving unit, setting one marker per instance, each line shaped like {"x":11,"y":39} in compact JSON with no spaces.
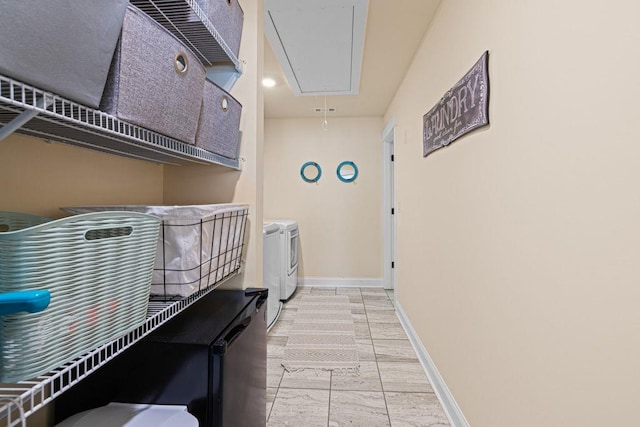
{"x":199,"y":35}
{"x":20,"y":400}
{"x":31,"y":111}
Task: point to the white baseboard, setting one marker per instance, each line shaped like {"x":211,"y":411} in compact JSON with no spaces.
{"x":451,"y":408}
{"x":340,"y":282}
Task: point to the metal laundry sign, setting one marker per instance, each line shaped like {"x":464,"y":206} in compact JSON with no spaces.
{"x":463,"y":108}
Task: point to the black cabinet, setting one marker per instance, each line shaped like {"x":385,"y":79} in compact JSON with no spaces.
{"x":211,"y":358}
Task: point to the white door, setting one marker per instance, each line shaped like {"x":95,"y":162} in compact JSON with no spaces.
{"x":389,"y":206}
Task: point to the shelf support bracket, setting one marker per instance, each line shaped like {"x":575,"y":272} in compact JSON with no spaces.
{"x":23,"y":118}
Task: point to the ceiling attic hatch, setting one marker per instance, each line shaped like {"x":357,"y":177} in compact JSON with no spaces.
{"x":319,"y":43}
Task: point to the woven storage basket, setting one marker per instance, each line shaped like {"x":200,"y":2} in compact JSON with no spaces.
{"x":155,"y":81}
{"x":98,"y":269}
{"x":199,"y":245}
{"x":219,"y":124}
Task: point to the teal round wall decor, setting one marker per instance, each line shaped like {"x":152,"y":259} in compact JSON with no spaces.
{"x":310,"y":172}
{"x":347,"y":171}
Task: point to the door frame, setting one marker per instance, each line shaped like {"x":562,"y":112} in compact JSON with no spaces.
{"x":388,"y":203}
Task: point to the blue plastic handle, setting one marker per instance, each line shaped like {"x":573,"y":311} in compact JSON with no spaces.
{"x":30,"y":301}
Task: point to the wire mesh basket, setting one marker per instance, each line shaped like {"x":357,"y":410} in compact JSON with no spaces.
{"x":198,"y":246}
{"x":97,"y":269}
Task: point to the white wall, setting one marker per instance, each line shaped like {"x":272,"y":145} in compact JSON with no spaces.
{"x":340,"y":224}
{"x":518,"y":244}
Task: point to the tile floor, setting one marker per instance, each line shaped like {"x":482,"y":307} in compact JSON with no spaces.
{"x":391,"y":390}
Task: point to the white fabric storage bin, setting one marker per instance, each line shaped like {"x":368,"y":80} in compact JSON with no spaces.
{"x":132,"y":415}
{"x":62,"y":46}
{"x":199,"y":245}
{"x":155,"y":81}
{"x":219,"y":124}
{"x":227,"y":18}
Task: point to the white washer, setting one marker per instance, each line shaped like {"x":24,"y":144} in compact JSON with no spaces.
{"x":271,"y":270}
{"x":289,"y":256}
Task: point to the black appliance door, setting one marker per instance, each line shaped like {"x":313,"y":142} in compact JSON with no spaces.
{"x":239,"y":370}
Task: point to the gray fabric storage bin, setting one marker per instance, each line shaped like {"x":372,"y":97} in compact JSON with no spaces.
{"x":147,"y":85}
{"x":227,"y":18}
{"x":219,"y":128}
{"x":61,"y":46}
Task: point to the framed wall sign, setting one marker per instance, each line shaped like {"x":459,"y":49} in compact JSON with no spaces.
{"x":463,"y":108}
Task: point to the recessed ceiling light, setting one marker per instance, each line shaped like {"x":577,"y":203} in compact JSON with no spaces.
{"x":268,"y":82}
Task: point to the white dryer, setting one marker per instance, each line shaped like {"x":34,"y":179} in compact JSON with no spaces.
{"x":289,"y":256}
{"x":271,"y":266}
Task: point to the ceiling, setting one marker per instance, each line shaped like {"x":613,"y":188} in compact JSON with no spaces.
{"x":319,"y":44}
{"x":394,"y":30}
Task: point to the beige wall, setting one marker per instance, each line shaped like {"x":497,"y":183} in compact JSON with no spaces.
{"x":340,"y":224}
{"x":39,"y":177}
{"x":215,"y":184}
{"x":518,"y":246}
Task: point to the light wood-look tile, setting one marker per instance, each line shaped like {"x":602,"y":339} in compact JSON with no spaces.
{"x":355,"y":299}
{"x":387,"y":331}
{"x":362,"y":331}
{"x":294,"y":300}
{"x":368,"y":379}
{"x":387,"y":362}
{"x":415,"y":410}
{"x":378,"y":298}
{"x":404,"y":376}
{"x":287,"y":315}
{"x":387,"y":309}
{"x":394,"y":351}
{"x":382,"y":316}
{"x":323,"y":291}
{"x":307,"y":378}
{"x":357,"y":308}
{"x":290,"y":307}
{"x":358,"y":408}
{"x":300,"y":407}
{"x":349,"y":291}
{"x":372,"y":292}
{"x":359,"y":317}
{"x":274,"y":372}
{"x":271,"y":396}
{"x":276,"y":346}
{"x":378,"y":303}
{"x":365,"y":351}
{"x":282,"y":328}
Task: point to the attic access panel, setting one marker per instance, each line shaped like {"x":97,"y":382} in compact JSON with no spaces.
{"x":319,"y":43}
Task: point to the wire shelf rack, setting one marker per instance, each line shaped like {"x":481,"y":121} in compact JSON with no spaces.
{"x":20,"y":400}
{"x":31,"y":111}
{"x":199,"y":35}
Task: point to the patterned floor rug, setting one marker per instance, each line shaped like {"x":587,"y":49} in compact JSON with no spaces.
{"x":322,"y":336}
